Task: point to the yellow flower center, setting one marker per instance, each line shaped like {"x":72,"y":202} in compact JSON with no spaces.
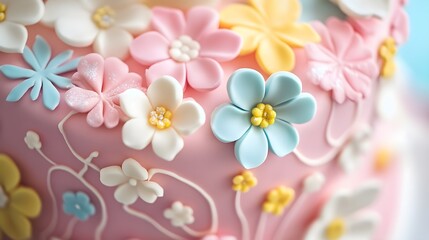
{"x":336,"y":229}
{"x":278,"y":199}
{"x":103,"y":17}
{"x":387,"y":53}
{"x":3,"y":198}
{"x":244,"y":182}
{"x":263,"y":115}
{"x":160,"y":118}
{"x":2,"y":12}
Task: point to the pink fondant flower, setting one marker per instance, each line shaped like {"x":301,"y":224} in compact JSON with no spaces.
{"x":98,"y":85}
{"x":188,"y":49}
{"x":342,"y":63}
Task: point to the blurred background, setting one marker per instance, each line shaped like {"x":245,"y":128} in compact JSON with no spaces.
{"x":414,"y":87}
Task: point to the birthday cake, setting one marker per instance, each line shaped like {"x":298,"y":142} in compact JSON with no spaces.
{"x":197,"y":119}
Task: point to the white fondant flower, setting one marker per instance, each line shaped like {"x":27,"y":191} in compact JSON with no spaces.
{"x":32,"y":140}
{"x":365,"y":8}
{"x":359,"y":144}
{"x":109,"y":24}
{"x":314,"y":182}
{"x":14,"y":16}
{"x":179,"y":214}
{"x":339,"y":218}
{"x":132,"y":181}
{"x":161,"y":117}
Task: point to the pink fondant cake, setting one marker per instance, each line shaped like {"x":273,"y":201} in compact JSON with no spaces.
{"x":197,"y":119}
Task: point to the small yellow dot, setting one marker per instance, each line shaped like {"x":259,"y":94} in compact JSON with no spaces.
{"x":383,"y":159}
{"x":336,"y":229}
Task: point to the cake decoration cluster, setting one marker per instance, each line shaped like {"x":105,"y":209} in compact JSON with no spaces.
{"x":268,"y":32}
{"x":253,"y":130}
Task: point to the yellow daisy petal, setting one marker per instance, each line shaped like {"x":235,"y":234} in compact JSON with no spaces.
{"x":241,"y":15}
{"x":251,"y":39}
{"x":9,"y":173}
{"x":278,"y":12}
{"x":26,"y":201}
{"x":298,"y":34}
{"x":14,"y":224}
{"x":273,"y":55}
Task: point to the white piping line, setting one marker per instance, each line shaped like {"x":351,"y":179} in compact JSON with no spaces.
{"x":245,"y":231}
{"x":70,"y":227}
{"x":288,"y":215}
{"x":340,"y":141}
{"x":259,"y":235}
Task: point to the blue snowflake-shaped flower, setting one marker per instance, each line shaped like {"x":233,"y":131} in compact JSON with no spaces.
{"x":260,"y":116}
{"x":43,"y":75}
{"x":78,"y":205}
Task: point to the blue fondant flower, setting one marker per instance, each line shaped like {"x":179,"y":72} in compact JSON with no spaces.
{"x":78,"y":205}
{"x":260,"y":115}
{"x":44,"y":74}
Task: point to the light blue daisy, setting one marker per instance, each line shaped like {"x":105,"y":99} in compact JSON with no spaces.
{"x":78,"y":205}
{"x":260,"y":115}
{"x":43,"y":76}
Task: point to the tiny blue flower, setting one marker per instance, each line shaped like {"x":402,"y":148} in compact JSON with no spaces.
{"x":260,"y":115}
{"x":78,"y":205}
{"x":43,"y":76}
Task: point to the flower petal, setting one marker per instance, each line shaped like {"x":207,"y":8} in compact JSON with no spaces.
{"x":113,"y":42}
{"x":230,"y":123}
{"x":126,"y":194}
{"x":112,"y":176}
{"x":19,"y":91}
{"x":200,"y":21}
{"x":110,"y":115}
{"x":115,"y":72}
{"x":54,"y":9}
{"x":227,"y":51}
{"x":251,"y":149}
{"x":26,"y":12}
{"x":9,"y":173}
{"x":15,"y":72}
{"x":204,"y":74}
{"x":188,"y":117}
{"x":149,"y":191}
{"x":90,"y":71}
{"x":362,"y":227}
{"x":137,"y":133}
{"x":167,"y":143}
{"x":250,"y":37}
{"x":169,"y":22}
{"x":81,"y":100}
{"x":165,"y":92}
{"x":241,"y":15}
{"x":246,"y":88}
{"x":60,"y":81}
{"x":273,"y":55}
{"x":282,"y":87}
{"x":317,"y":229}
{"x":42,"y":51}
{"x":15,"y":225}
{"x":298,"y":35}
{"x":95,"y":117}
{"x":150,"y":48}
{"x":60,"y":59}
{"x":282,"y":138}
{"x":299,"y":110}
{"x":26,"y":201}
{"x":275,"y":11}
{"x":133,"y":169}
{"x":134,"y":18}
{"x":135,"y":103}
{"x":14,"y":37}
{"x":77,"y":29}
{"x":167,"y":68}
{"x":51,"y":96}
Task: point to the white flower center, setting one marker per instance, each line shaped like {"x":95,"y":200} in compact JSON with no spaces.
{"x":3,"y":198}
{"x":2,"y":12}
{"x":77,"y":206}
{"x":184,"y":49}
{"x":103,"y":17}
{"x":132,"y":182}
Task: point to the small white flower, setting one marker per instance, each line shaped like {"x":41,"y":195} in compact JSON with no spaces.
{"x":365,"y":8}
{"x":162,"y":117}
{"x":14,"y":16}
{"x":132,"y":181}
{"x":179,"y":214}
{"x":351,"y":156}
{"x":109,"y":24}
{"x":32,"y":140}
{"x":314,"y":182}
{"x":339,"y":218}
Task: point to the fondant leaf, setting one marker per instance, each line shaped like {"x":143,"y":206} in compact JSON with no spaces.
{"x":36,"y":89}
{"x":59,"y":81}
{"x":60,"y":59}
{"x":15,"y":72}
{"x":70,"y":66}
{"x":19,"y":91}
{"x":51,"y":96}
{"x":42,"y":51}
{"x":31,"y":59}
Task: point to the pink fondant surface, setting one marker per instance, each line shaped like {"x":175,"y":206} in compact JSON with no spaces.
{"x":204,"y":160}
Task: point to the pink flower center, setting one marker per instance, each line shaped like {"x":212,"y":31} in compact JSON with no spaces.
{"x":184,"y":49}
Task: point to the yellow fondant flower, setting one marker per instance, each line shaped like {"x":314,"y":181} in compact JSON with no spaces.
{"x":387,"y":53}
{"x":17,"y":203}
{"x":269,"y":28}
{"x":244,"y":182}
{"x":278,"y":199}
